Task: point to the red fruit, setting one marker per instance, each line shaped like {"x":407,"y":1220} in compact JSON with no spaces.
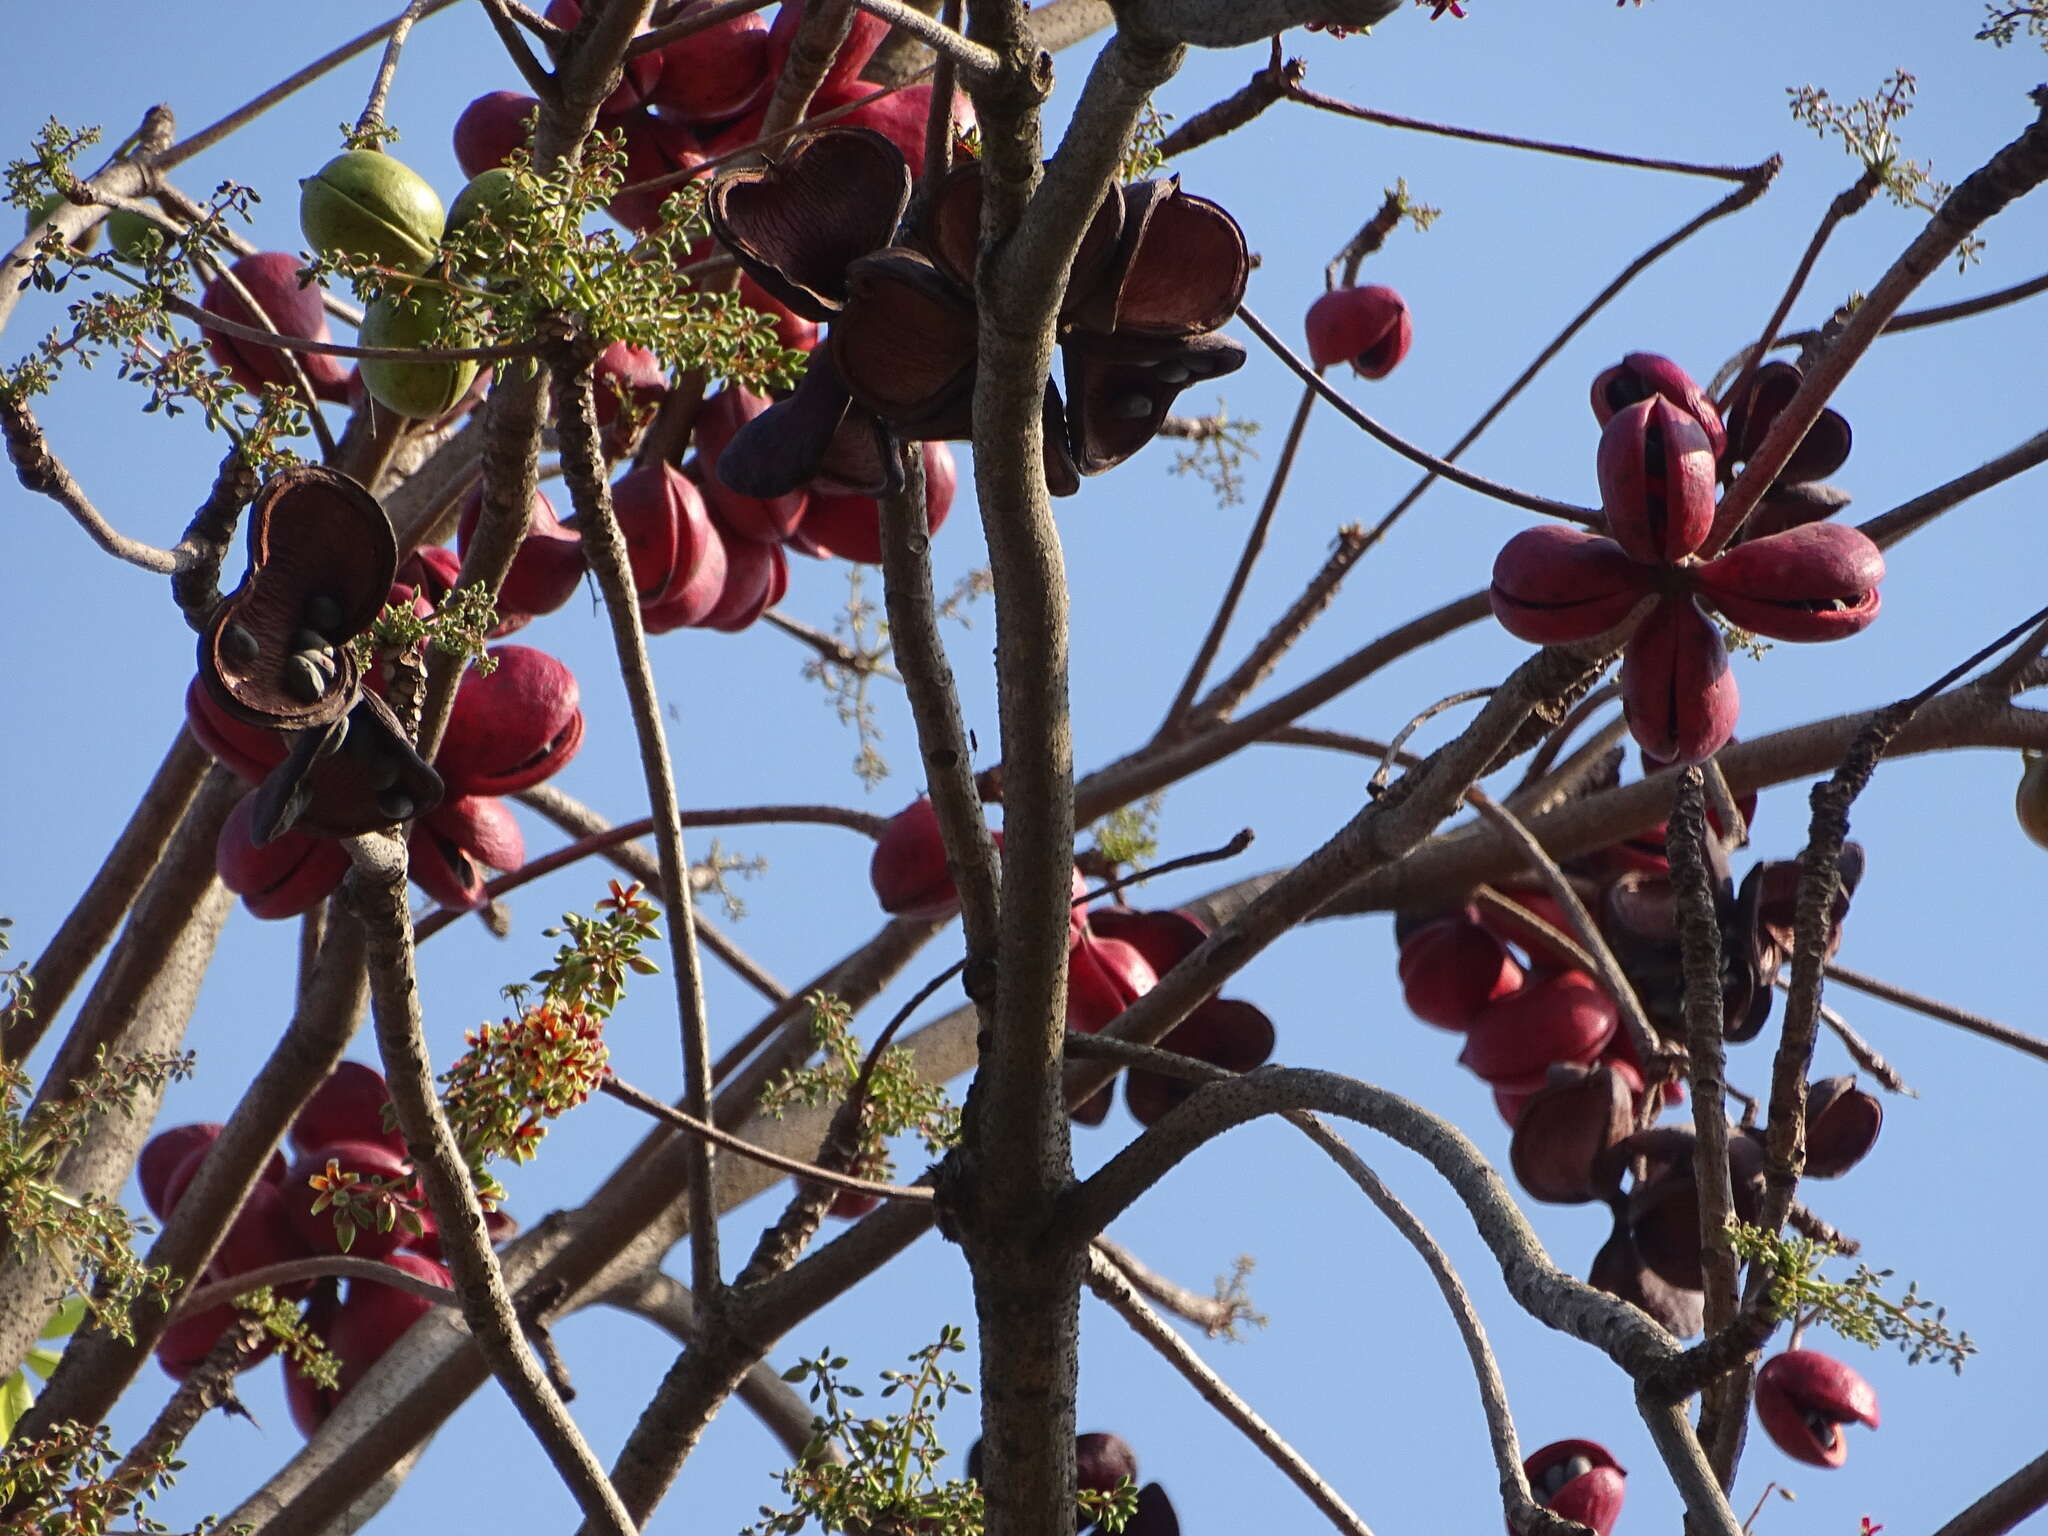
{"x":1676,"y":686}
{"x":1163,"y":938}
{"x":697,"y":583}
{"x":316,"y":1230}
{"x":490,"y":128}
{"x":287,"y":876}
{"x":717,"y":73}
{"x":271,"y":279}
{"x":767,"y":521}
{"x":654,"y":148}
{"x":548,"y":568}
{"x":1580,"y":1480}
{"x":1505,"y":923}
{"x":1562,"y":1017}
{"x":908,"y":870}
{"x":851,"y":526}
{"x":1553,"y":584}
{"x":261,"y":1234}
{"x":190,"y":1340}
{"x":425,"y":576}
{"x":347,"y":1106}
{"x":1224,"y":1032}
{"x":651,"y":503}
{"x":1104,"y":977}
{"x":249,"y":751}
{"x":160,"y":1158}
{"x":1802,"y":1399}
{"x":626,"y":376}
{"x":756,"y":577}
{"x":1452,"y":968}
{"x":638,"y":80}
{"x":1814,"y":582}
{"x":375,"y":1317}
{"x":900,"y":118}
{"x":1368,"y":327}
{"x":452,"y":848}
{"x":512,"y":728}
{"x":1641,"y":375}
{"x":1656,"y":471}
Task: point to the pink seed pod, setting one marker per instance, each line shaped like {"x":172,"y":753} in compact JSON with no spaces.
{"x":1580,"y":1480}
{"x":374,"y":1317}
{"x":626,"y":378}
{"x":160,"y":1158}
{"x":861,"y":42}
{"x":188,"y":1341}
{"x":348,"y":1105}
{"x":850,"y":527}
{"x":768,"y":521}
{"x":1814,"y":582}
{"x":1104,"y":977}
{"x":655,"y":147}
{"x":1451,"y":969}
{"x":1641,"y":375}
{"x":548,"y":568}
{"x":1225,"y":1032}
{"x":1656,"y":481}
{"x":1564,"y":1129}
{"x":717,"y":73}
{"x":650,"y":503}
{"x":1369,"y":328}
{"x":908,"y":870}
{"x":1804,"y":1397}
{"x":697,"y":583}
{"x":1553,"y":585}
{"x":490,"y":128}
{"x":900,"y":118}
{"x":452,"y":849}
{"x":512,"y":728}
{"x":1823,"y":450}
{"x":756,"y":578}
{"x":1562,"y":1017}
{"x":191,"y":1150}
{"x":271,"y":278}
{"x":285,"y":877}
{"x":1163,"y":938}
{"x":249,"y":751}
{"x":260,"y":1235}
{"x":1676,"y":686}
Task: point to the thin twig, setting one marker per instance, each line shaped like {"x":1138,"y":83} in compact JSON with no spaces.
{"x":1935,"y":1008}
{"x":1939,"y":314}
{"x":1887,"y":528}
{"x":539,"y":79}
{"x":1219,"y":702}
{"x":387,"y":67}
{"x":1443,"y":468}
{"x":626,"y":1093}
{"x":41,"y":471}
{"x":1217,"y":1314}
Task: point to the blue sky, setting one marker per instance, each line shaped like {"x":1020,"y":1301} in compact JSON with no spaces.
{"x":1359,"y":1366}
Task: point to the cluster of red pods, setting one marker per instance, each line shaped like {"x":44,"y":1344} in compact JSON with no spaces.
{"x":350,"y":1190}
{"x":701,"y":97}
{"x":1667,"y":562}
{"x":1115,"y":956}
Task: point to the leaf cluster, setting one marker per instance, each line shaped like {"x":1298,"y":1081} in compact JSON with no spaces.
{"x":1855,"y":1308}
{"x":72,"y":1483}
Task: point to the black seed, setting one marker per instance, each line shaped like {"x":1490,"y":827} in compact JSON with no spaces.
{"x":1132,"y":407}
{"x":395,"y":803}
{"x":311,"y":640}
{"x":322,"y":613}
{"x":237,"y":646}
{"x":304,"y":680}
{"x":1173,"y":373}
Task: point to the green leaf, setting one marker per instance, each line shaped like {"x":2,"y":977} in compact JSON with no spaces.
{"x":15,"y":1400}
{"x":43,"y":1361}
{"x":65,"y":1320}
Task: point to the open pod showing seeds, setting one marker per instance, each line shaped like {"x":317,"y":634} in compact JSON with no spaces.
{"x":321,"y":561}
{"x":1656,"y":481}
{"x":352,"y":776}
{"x":1580,"y":1480}
{"x":1643,"y":374}
{"x":451,"y":849}
{"x":1803,"y":1397}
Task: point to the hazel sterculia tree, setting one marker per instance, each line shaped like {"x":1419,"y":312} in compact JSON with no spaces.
{"x":1580,"y":882}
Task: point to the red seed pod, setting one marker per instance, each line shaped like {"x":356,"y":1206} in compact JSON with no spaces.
{"x":1510,"y":923}
{"x":1641,"y":375}
{"x":425,"y":576}
{"x":1842,"y":1122}
{"x":309,"y":1404}
{"x":900,"y":117}
{"x":1563,"y":1017}
{"x":629,"y":378}
{"x":453,"y":848}
{"x":655,"y":147}
{"x":271,"y":279}
{"x":374,"y":1317}
{"x":1104,"y":977}
{"x":548,"y":568}
{"x":1814,"y":582}
{"x":188,"y":1341}
{"x":348,"y":1105}
{"x":1553,"y":584}
{"x":1369,"y":328}
{"x":768,"y":521}
{"x":1163,"y":938}
{"x":1656,"y":481}
{"x":1451,"y":969}
{"x":1676,"y":686}
{"x":1802,"y":1399}
{"x":285,"y":877}
{"x":1823,"y":450}
{"x":756,"y":577}
{"x":261,"y":1234}
{"x":1565,"y":1128}
{"x":160,"y":1158}
{"x":1225,"y":1032}
{"x":850,"y":527}
{"x":716,"y":73}
{"x":698,"y":580}
{"x":908,"y":870}
{"x":190,"y":1149}
{"x":650,"y":503}
{"x":1580,"y":1480}
{"x":316,"y":1231}
{"x":490,"y":128}
{"x":249,"y":751}
{"x":861,"y":42}
{"x":512,"y":728}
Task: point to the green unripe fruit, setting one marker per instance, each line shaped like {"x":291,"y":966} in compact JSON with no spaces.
{"x":495,"y":195}
{"x":45,"y":211}
{"x":2031,"y":803}
{"x":126,"y":232}
{"x":421,"y":391}
{"x":369,"y":205}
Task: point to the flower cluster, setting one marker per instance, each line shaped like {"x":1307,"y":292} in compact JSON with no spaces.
{"x":1659,"y":564}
